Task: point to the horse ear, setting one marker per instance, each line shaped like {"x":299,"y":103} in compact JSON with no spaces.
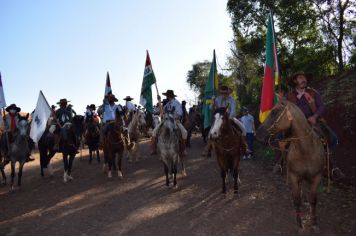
{"x":281,"y":99}
{"x":27,"y":115}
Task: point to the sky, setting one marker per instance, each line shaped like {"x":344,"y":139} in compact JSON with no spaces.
{"x":65,"y":48}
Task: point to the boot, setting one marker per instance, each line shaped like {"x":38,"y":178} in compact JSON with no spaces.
{"x":153,"y":146}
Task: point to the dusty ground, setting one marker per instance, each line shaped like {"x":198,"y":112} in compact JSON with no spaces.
{"x":140,"y":204}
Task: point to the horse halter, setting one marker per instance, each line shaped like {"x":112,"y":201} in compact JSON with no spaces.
{"x":278,"y":119}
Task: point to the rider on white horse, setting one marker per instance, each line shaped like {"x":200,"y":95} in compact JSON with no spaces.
{"x":171,"y":105}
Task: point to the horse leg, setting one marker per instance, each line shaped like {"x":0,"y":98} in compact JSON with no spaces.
{"x":65,"y":163}
{"x":114,"y":162}
{"x":19,"y":175}
{"x":110,"y":162}
{"x":223,"y":177}
{"x":12,"y":174}
{"x":70,"y":164}
{"x":119,"y":163}
{"x":297,"y":200}
{"x":235,"y":174}
{"x":184,"y":173}
{"x":3,"y":175}
{"x":313,"y":201}
{"x":174,"y":174}
{"x":90,"y":155}
{"x":97,"y":155}
{"x":166,"y":172}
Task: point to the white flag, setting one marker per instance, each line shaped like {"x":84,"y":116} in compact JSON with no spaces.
{"x":2,"y":96}
{"x":39,"y":118}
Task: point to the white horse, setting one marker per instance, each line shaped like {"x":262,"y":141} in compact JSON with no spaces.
{"x":168,"y":146}
{"x":133,"y":147}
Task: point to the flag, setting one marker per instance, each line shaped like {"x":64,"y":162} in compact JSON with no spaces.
{"x":2,"y":95}
{"x":39,"y":118}
{"x":107,"y":85}
{"x":209,"y":91}
{"x":270,"y":77}
{"x":146,"y":91}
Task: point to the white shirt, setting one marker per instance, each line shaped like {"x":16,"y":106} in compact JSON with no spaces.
{"x":229,"y":102}
{"x":177,"y":107}
{"x":130,"y":106}
{"x":248,"y":122}
{"x":110,"y":112}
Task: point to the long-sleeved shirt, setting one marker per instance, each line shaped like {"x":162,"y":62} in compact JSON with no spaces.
{"x":303,"y":105}
{"x":177,"y":107}
{"x":110,"y":111}
{"x":64,"y":115}
{"x":228,"y":102}
{"x":130,"y":106}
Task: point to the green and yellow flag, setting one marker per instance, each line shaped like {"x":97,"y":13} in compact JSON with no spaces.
{"x":209,"y":91}
{"x":271,"y":73}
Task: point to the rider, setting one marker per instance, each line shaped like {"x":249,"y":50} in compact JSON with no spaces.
{"x":110,"y":111}
{"x":311,"y":104}
{"x":11,"y":120}
{"x":171,"y":104}
{"x":90,"y":113}
{"x":63,"y":115}
{"x":225,"y":100}
{"x":130,"y":107}
{"x":184,"y":111}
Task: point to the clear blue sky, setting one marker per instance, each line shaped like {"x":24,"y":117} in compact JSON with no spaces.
{"x":65,"y":48}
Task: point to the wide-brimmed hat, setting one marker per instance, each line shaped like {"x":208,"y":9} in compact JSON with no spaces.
{"x":308,"y":76}
{"x":169,"y":93}
{"x":224,"y":90}
{"x":63,"y":100}
{"x":92,"y":106}
{"x":112,"y":96}
{"x":128,"y":98}
{"x":13,"y":107}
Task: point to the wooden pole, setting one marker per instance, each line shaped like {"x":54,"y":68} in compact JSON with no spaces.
{"x":159,"y":102}
{"x":6,"y":133}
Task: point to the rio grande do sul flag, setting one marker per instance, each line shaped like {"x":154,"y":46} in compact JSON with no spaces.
{"x":2,"y":95}
{"x":146,"y":91}
{"x":271,"y":76}
{"x":107,"y":85}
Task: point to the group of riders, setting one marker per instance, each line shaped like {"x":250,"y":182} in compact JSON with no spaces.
{"x":307,"y":99}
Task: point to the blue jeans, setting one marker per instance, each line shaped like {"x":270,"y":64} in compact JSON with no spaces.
{"x":249,"y":139}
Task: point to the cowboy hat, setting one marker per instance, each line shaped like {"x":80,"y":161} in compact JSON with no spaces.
{"x":128,"y":98}
{"x":224,"y":90}
{"x":13,"y":107}
{"x":92,"y":106}
{"x":111,"y":96}
{"x":169,"y":93}
{"x":308,"y":76}
{"x":63,"y":100}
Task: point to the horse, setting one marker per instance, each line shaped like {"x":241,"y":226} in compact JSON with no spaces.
{"x":168,"y":146}
{"x":16,"y":146}
{"x":156,"y":121}
{"x":190,"y":123}
{"x":132,"y":142}
{"x":68,"y":144}
{"x":114,"y":144}
{"x":305,"y":157}
{"x":92,"y":138}
{"x":2,"y":166}
{"x":227,"y":143}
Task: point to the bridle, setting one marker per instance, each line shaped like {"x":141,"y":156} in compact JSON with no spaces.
{"x":220,"y":146}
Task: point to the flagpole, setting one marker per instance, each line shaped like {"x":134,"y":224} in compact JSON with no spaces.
{"x":6,"y":133}
{"x":159,"y":102}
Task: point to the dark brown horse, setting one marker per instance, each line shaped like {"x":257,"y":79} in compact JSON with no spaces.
{"x":114,"y":145}
{"x":92,"y":138}
{"x":227,"y":142}
{"x":305,"y":157}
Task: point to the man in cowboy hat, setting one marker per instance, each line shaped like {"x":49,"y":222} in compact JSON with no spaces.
{"x":226,"y":100}
{"x":129,"y":105}
{"x":63,"y":115}
{"x":90,"y":113}
{"x":110,"y":111}
{"x":172,"y":104}
{"x":311,"y":104}
{"x":11,"y":120}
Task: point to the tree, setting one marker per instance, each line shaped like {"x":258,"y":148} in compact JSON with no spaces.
{"x":336,"y":20}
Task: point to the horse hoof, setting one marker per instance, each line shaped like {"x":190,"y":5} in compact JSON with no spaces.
{"x":119,"y":174}
{"x":109,"y":175}
{"x":70,"y":178}
{"x":316,"y":229}
{"x":184,"y":173}
{"x":175,"y":186}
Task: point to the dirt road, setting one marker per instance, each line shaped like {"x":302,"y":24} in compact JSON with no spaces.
{"x":140,"y":204}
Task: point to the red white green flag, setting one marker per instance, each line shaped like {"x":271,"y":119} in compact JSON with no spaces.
{"x":271,"y":74}
{"x":146,"y":91}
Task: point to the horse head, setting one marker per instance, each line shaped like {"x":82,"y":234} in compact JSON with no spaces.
{"x":156,"y":120}
{"x":169,"y":121}
{"x":279,"y":119}
{"x":23,"y":126}
{"x":221,"y":118}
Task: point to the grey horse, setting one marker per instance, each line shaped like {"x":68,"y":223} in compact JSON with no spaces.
{"x":168,"y":145}
{"x":19,"y":149}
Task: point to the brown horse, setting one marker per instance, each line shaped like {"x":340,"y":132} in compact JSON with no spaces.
{"x":132,"y":141}
{"x":305,"y":157}
{"x":114,"y":144}
{"x":92,"y":137}
{"x":227,"y":143}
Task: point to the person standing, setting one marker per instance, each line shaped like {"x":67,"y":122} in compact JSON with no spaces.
{"x":249,"y":124}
